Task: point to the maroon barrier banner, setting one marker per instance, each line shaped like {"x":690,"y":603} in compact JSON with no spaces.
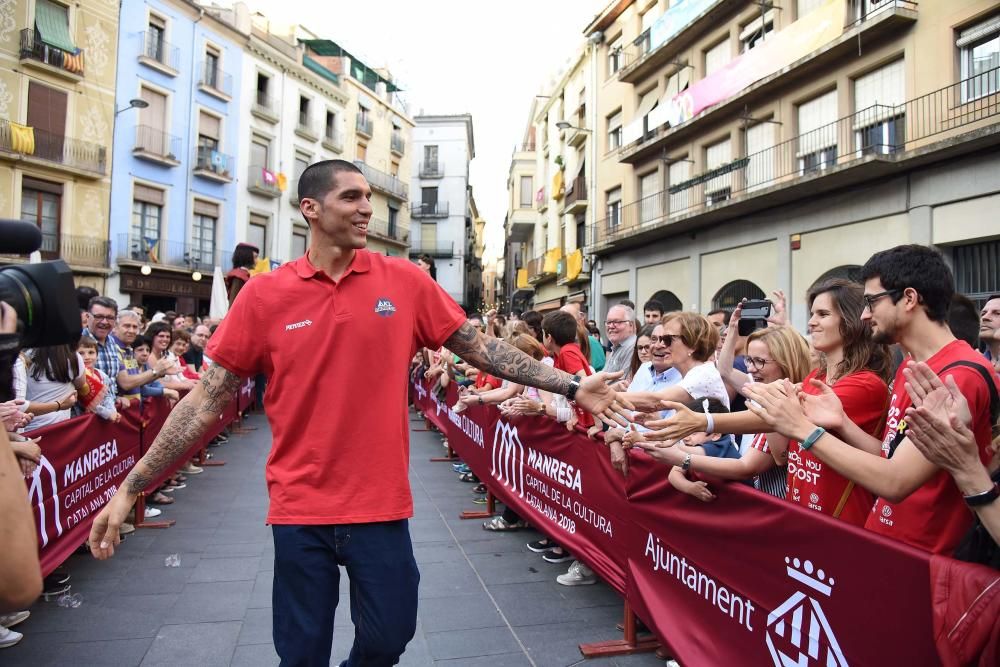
{"x":431,"y":405}
{"x":83,"y":462}
{"x":746,"y":579}
{"x":558,"y":480}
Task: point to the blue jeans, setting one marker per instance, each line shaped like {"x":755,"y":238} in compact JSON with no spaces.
{"x":384,"y":580}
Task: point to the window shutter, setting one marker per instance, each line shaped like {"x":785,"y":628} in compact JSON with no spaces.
{"x":206,"y":208}
{"x":147,"y":194}
{"x":813,"y":115}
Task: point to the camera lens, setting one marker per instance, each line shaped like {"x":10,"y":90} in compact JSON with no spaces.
{"x":43,"y":297}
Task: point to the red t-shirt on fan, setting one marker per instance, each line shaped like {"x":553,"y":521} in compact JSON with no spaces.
{"x":571,"y":360}
{"x":934,"y":517}
{"x":815,"y":485}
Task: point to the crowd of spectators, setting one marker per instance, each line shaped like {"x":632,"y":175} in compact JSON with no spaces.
{"x":885,"y":406}
{"x":119,"y":359}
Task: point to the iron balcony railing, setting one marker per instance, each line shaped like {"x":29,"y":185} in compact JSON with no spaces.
{"x":262,"y":181}
{"x":152,"y":250}
{"x":213,"y":77}
{"x":216,"y":162}
{"x":333,"y":139}
{"x":882,"y":132}
{"x":860,"y":11}
{"x":429,"y":210}
{"x":433,"y":169}
{"x":265,"y":105}
{"x":387,"y":230}
{"x":156,"y":48}
{"x":577,"y":191}
{"x":304,"y":125}
{"x":363,"y":126}
{"x":397,"y":144}
{"x":54,"y":148}
{"x":433,"y":248}
{"x":384,"y":182}
{"x":34,"y":48}
{"x":156,"y":142}
{"x":74,"y":249}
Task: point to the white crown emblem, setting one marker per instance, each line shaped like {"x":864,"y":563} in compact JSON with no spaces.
{"x":798,"y":632}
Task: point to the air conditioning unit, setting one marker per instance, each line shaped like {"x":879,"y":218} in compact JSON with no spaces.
{"x":586,"y":264}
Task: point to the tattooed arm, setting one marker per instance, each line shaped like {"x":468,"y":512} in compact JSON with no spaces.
{"x":187,"y":422}
{"x":505,"y":361}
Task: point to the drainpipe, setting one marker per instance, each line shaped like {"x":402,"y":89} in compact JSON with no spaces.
{"x":592,"y":161}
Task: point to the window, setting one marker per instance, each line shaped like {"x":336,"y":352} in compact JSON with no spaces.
{"x":614,"y":208}
{"x":208,"y":131}
{"x":156,"y":33}
{"x":818,"y":133}
{"x":47,"y":115}
{"x":394,"y":169}
{"x":212,"y":68}
{"x":303,"y":111}
{"x":879,"y":110}
{"x":263,"y":85}
{"x":679,"y":172}
{"x":615,"y":131}
{"x":151,"y":135}
{"x":330,"y":127}
{"x":649,"y":197}
{"x":581,"y":231}
{"x":803,"y":7}
{"x":976,"y":270}
{"x":734,"y":292}
{"x":362,"y":152}
{"x":206,"y":217}
{"x":428,"y":236}
{"x":41,"y":205}
{"x":757,"y":31}
{"x":300,"y":240}
{"x":526,"y":192}
{"x":717,"y":57}
{"x":431,"y":159}
{"x":393,"y":221}
{"x":429,"y":200}
{"x":979,"y":53}
{"x":719,"y":188}
{"x":259,"y":158}
{"x":301,"y":162}
{"x":638,"y":128}
{"x":759,"y":142}
{"x":614,"y":56}
{"x":257,"y":232}
{"x":147,"y":212}
{"x":648,"y":19}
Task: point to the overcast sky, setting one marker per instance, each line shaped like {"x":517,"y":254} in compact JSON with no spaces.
{"x":456,"y":56}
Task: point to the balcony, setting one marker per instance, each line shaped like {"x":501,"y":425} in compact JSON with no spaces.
{"x":262,"y":181}
{"x":158,"y":54}
{"x":433,"y":169}
{"x":34,"y":52}
{"x":397,"y":144}
{"x":575,"y":136}
{"x":437,"y":249}
{"x":363,"y":126}
{"x":85,"y":252}
{"x":172,"y":254}
{"x":155,"y":145}
{"x":862,"y":23}
{"x":265,"y":108}
{"x":305,"y":128}
{"x":575,"y":199}
{"x":873,"y":143}
{"x":521,"y":224}
{"x":385,"y":183}
{"x":428,"y":210}
{"x":38,"y":147}
{"x":214,"y":165}
{"x":573,"y":269}
{"x":332,"y":140}
{"x":544,"y":267}
{"x":391,"y":233}
{"x":215,"y":82}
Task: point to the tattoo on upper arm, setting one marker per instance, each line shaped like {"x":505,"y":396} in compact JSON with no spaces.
{"x":186,"y":423}
{"x":506,"y":361}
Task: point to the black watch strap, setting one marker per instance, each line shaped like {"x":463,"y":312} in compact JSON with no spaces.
{"x":574,"y":384}
{"x":984,"y":498}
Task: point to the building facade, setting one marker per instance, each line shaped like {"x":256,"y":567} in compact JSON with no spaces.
{"x":442,"y":205}
{"x":174,"y":180}
{"x":746,"y":149}
{"x":57,"y":111}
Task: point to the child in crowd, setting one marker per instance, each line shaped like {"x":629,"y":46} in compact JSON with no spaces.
{"x":715,"y":445}
{"x":141,"y":348}
{"x":96,"y":396}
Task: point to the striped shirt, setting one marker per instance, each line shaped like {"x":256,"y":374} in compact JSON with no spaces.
{"x":774,"y":480}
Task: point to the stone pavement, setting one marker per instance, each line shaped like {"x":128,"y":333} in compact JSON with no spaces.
{"x":484,"y":598}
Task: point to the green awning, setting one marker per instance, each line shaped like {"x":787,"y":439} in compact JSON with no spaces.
{"x":311,"y":64}
{"x":360,"y":71}
{"x":53,"y":25}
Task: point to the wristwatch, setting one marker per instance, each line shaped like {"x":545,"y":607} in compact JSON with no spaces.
{"x":984,"y":498}
{"x":574,"y":384}
{"x":686,"y":465}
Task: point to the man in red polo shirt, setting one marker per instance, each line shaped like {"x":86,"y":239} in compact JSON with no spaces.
{"x":559,"y":334}
{"x":908,"y":290}
{"x":337,"y":472}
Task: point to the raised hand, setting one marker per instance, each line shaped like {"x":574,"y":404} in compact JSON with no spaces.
{"x":823,"y":409}
{"x":944,"y":440}
{"x":778,"y":405}
{"x":926,"y":390}
{"x":779,"y":315}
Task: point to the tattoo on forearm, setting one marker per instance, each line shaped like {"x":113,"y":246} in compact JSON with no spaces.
{"x":186,"y":423}
{"x":505,"y":361}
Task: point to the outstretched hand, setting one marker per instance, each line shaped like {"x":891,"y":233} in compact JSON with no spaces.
{"x":778,"y":405}
{"x":594,"y":395}
{"x":681,"y":424}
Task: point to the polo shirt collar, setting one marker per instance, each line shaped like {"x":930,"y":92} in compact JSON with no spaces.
{"x":306,"y":270}
{"x":659,"y":377}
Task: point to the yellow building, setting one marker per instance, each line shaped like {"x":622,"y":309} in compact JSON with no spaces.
{"x":57,"y":112}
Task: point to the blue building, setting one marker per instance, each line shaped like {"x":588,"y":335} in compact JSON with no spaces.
{"x":173,"y":178}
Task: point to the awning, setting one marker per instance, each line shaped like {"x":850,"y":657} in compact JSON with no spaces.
{"x":634,"y":130}
{"x":53,"y":25}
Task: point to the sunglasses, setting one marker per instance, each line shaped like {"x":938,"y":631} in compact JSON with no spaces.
{"x":667,"y":339}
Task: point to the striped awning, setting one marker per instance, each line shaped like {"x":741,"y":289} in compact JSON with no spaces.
{"x":53,"y":25}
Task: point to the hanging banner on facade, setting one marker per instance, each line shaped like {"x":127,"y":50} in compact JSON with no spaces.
{"x":674,"y":20}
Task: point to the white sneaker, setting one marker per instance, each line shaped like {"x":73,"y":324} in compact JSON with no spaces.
{"x":577,"y":575}
{"x":9,"y":637}
{"x":191,"y":469}
{"x":10,"y":620}
{"x":153,"y":512}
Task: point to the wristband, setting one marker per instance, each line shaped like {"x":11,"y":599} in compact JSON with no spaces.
{"x":812,"y":438}
{"x":58,"y":406}
{"x":574,"y":384}
{"x":709,"y":421}
{"x":687,"y":463}
{"x":984,"y":498}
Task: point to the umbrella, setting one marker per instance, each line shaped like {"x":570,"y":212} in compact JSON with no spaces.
{"x":220,"y":300}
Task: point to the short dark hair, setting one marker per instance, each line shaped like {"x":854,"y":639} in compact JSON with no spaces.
{"x":141,"y":340}
{"x":918,"y":267}
{"x":321,"y":177}
{"x":627,"y":302}
{"x":561,"y":326}
{"x":180,"y":334}
{"x":84,"y":293}
{"x":533,"y":319}
{"x":653,"y":304}
{"x":243,"y":256}
{"x":715,"y":406}
{"x":963,"y":319}
{"x":156,"y":328}
{"x":991,"y":297}
{"x":104,"y":301}
{"x":727,"y":315}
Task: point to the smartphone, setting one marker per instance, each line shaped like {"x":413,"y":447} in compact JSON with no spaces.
{"x":754,"y":316}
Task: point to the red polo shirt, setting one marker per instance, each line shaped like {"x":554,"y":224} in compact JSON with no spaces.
{"x":336,"y":356}
{"x":571,"y":360}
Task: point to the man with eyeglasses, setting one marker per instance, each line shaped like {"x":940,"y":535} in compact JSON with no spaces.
{"x":620,"y":325}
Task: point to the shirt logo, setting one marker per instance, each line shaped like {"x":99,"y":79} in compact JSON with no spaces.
{"x":298,"y":325}
{"x":886,"y":511}
{"x":384,"y":307}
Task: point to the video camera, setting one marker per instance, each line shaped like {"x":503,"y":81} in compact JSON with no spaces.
{"x":43,"y":295}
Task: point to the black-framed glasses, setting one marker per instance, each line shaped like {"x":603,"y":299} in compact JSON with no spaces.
{"x":643,"y":348}
{"x":758,"y":362}
{"x":666,"y":339}
{"x":870,"y":299}
{"x":615,"y":323}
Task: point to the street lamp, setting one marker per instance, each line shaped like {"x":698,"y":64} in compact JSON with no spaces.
{"x":563,"y":125}
{"x":196,"y":276}
{"x":135,"y":103}
{"x":145,"y":269}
